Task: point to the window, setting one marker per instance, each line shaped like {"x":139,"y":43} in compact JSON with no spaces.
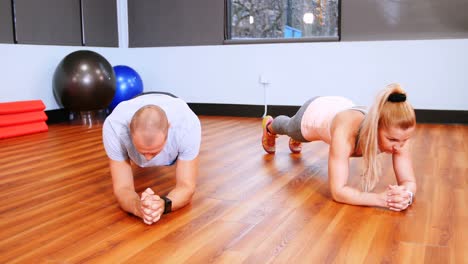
{"x":257,"y":20}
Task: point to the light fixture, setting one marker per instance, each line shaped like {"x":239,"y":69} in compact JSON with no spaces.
{"x":308,"y":18}
{"x":251,"y":19}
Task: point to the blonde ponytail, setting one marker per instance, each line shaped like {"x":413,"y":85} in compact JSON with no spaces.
{"x":383,"y":113}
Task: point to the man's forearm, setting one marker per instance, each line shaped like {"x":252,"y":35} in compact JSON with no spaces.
{"x":129,"y":201}
{"x":180,"y":197}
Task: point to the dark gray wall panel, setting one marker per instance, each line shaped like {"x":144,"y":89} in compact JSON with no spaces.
{"x":403,"y":19}
{"x":155,"y":23}
{"x":52,"y":22}
{"x":6,"y":23}
{"x":100,"y":23}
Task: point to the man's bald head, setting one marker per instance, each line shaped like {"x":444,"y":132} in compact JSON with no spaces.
{"x":147,"y":122}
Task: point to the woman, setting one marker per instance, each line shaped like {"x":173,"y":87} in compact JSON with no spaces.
{"x":353,"y":132}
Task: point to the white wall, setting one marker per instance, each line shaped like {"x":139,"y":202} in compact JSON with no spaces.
{"x":434,"y":72}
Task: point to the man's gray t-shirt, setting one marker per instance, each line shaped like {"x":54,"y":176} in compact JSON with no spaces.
{"x":184,"y":135}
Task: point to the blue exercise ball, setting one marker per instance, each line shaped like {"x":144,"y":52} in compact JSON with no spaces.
{"x":128,"y":84}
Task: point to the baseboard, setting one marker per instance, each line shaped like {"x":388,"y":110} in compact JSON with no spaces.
{"x":241,"y":110}
{"x":441,"y":116}
{"x":57,"y":116}
{"x":422,"y":115}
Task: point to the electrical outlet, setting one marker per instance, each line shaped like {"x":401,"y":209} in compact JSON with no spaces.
{"x":263,"y":79}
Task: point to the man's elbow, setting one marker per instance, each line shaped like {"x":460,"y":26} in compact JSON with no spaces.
{"x":186,"y":190}
{"x":120,"y":199}
{"x":190,"y":191}
{"x":120,"y":195}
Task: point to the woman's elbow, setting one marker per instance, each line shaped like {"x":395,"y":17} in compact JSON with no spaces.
{"x":337,"y":195}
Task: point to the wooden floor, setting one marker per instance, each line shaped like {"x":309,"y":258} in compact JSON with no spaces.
{"x":57,"y":206}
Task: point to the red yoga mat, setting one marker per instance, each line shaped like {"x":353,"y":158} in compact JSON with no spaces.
{"x":24,"y":129}
{"x":22,"y":118}
{"x":21,"y":107}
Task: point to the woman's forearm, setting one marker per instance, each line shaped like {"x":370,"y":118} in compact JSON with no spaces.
{"x":353,"y":196}
{"x":410,"y":186}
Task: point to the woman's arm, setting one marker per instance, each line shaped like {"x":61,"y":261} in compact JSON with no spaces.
{"x":401,"y":196}
{"x":338,"y":171}
{"x":403,"y":167}
{"x":343,"y":140}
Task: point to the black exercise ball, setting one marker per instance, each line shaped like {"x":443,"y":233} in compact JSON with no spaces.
{"x":84,"y":81}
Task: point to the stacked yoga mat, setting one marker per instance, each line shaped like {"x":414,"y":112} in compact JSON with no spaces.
{"x":22,"y":118}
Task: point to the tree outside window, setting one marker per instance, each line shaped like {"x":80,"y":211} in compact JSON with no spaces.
{"x":280,"y":19}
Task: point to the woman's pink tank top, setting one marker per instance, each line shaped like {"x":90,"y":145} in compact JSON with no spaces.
{"x":318,"y":117}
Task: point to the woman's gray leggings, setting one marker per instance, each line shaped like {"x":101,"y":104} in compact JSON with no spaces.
{"x":291,"y":126}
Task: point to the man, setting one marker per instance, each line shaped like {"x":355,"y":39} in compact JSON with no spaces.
{"x":152,"y":129}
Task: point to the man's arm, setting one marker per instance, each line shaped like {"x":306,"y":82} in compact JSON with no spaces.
{"x":186,"y":177}
{"x":124,"y":188}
